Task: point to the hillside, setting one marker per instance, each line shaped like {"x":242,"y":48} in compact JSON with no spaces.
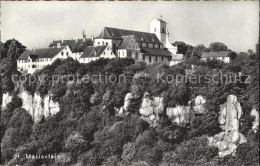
{"x":144,"y":115}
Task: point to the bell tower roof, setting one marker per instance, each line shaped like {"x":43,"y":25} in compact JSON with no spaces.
{"x":162,"y":21}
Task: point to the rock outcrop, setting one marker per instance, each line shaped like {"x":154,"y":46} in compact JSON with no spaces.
{"x":179,"y":114}
{"x":123,"y":111}
{"x":199,"y":107}
{"x":229,"y":138}
{"x":7,"y":98}
{"x":255,"y":114}
{"x":36,"y":106}
{"x":151,"y":108}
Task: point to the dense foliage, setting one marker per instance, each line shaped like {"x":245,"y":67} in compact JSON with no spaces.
{"x":87,"y":131}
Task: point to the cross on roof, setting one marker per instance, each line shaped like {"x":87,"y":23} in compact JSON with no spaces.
{"x":161,"y":16}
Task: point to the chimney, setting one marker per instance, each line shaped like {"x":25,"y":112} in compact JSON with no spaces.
{"x":76,"y":39}
{"x":62,"y":40}
{"x":92,"y":38}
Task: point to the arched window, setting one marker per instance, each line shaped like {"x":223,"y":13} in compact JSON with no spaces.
{"x":163,"y":30}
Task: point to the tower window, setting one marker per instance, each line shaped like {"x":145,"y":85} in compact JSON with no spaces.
{"x":163,"y":30}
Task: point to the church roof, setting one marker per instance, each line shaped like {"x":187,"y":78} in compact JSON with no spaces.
{"x":93,"y":51}
{"x":126,"y":41}
{"x":75,"y":46}
{"x":114,"y":33}
{"x":161,"y":21}
{"x":215,"y":54}
{"x":156,"y":51}
{"x":40,"y":53}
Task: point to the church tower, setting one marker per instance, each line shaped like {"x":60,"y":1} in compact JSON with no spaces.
{"x":158,"y":27}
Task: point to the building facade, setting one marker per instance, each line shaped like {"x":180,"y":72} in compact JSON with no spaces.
{"x":93,"y":53}
{"x":150,"y":47}
{"x":224,"y":56}
{"x":35,"y":59}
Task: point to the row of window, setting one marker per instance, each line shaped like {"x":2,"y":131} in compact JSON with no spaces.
{"x":38,"y":60}
{"x":33,"y":66}
{"x":62,"y":53}
{"x":150,"y":58}
{"x":89,"y":59}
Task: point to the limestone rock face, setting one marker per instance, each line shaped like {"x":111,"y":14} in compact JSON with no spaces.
{"x":255,"y":114}
{"x":7,"y":98}
{"x":151,"y":108}
{"x":123,"y":111}
{"x":199,"y":107}
{"x":230,"y":113}
{"x":37,"y":106}
{"x":229,"y":138}
{"x":179,"y":114}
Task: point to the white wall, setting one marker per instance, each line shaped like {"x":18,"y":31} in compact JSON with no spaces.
{"x":107,"y":53}
{"x":156,"y":27}
{"x":42,"y":62}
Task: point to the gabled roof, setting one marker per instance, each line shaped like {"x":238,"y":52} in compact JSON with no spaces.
{"x":156,"y":51}
{"x":125,"y":42}
{"x":215,"y":54}
{"x":93,"y":51}
{"x":114,"y":33}
{"x":41,"y":53}
{"x":75,"y":46}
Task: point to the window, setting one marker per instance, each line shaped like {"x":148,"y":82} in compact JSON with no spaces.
{"x":162,"y":58}
{"x":129,"y":54}
{"x":163,"y":30}
{"x":144,"y":57}
{"x":61,"y":53}
{"x":111,"y":53}
{"x":103,"y":43}
{"x":67,"y":53}
{"x":98,"y":43}
{"x":106,"y":43}
{"x":156,"y":58}
{"x":150,"y":58}
{"x":104,"y":53}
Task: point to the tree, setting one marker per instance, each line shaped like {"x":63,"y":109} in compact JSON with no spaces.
{"x":181,"y":47}
{"x":12,"y":48}
{"x":217,"y":47}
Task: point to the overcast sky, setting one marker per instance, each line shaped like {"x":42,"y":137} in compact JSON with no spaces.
{"x":35,"y":24}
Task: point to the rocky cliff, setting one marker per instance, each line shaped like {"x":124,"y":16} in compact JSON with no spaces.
{"x":36,"y":106}
{"x":229,"y":138}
